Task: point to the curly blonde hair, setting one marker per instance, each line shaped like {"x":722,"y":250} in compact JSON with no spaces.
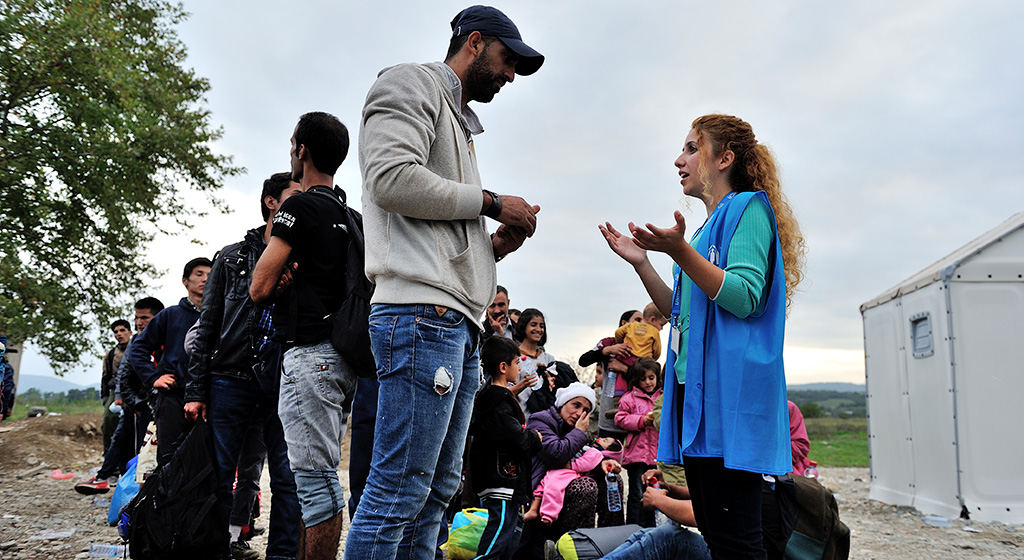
{"x":753,"y":169}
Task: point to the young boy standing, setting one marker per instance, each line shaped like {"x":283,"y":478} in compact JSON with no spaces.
{"x":501,"y":451}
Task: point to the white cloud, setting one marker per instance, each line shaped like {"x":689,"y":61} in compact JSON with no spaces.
{"x":815,"y":365}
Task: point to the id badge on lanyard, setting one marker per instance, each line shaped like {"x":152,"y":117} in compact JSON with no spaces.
{"x":675,"y":335}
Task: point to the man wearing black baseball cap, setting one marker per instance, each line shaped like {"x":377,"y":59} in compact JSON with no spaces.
{"x":429,"y":252}
{"x":490,"y":22}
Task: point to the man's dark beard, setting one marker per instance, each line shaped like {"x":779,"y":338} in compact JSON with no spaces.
{"x":480,"y":81}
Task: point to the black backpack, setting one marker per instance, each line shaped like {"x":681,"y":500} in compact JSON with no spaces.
{"x":350,"y":323}
{"x":808,"y":527}
{"x":175,"y":513}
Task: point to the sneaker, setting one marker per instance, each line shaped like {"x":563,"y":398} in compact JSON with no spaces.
{"x":240,"y":550}
{"x":93,"y":486}
{"x":551,"y":551}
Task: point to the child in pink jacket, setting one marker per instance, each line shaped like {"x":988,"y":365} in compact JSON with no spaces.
{"x":550,"y":493}
{"x":636,"y":416}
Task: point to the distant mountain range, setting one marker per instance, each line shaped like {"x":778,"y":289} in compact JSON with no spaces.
{"x":840,"y":387}
{"x":48,"y":384}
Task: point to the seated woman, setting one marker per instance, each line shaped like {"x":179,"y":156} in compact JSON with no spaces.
{"x":563,"y":430}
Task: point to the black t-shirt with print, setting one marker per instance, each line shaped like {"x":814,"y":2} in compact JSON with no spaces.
{"x":314,"y":226}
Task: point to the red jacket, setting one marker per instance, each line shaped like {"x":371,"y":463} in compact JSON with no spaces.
{"x":798,"y":440}
{"x":642,"y":441}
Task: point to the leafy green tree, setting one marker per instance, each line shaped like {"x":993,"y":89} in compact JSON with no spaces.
{"x":31,"y":396}
{"x":811,"y":410}
{"x":102,"y":131}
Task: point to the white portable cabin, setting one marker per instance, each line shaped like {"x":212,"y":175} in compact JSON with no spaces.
{"x":944,"y":367}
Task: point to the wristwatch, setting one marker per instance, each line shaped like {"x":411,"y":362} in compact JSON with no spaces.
{"x":494,"y":210}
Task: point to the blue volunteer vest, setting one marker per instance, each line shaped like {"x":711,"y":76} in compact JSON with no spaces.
{"x":735,"y":401}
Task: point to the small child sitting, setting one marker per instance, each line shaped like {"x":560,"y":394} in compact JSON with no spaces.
{"x":501,"y":451}
{"x":636,"y":416}
{"x":645,"y":337}
{"x":549,"y":494}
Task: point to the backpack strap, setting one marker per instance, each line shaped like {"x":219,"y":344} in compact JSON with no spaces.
{"x":201,"y":516}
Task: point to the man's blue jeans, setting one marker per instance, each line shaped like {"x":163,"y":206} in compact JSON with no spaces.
{"x":234,"y":405}
{"x":428,"y":369}
{"x":664,"y":542}
{"x":247,"y":477}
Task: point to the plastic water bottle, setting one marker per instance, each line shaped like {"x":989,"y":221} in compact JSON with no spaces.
{"x":937,"y":521}
{"x":614,"y":494}
{"x":659,"y":517}
{"x":812,"y":470}
{"x":541,"y":373}
{"x":98,"y":550}
{"x":608,"y":385}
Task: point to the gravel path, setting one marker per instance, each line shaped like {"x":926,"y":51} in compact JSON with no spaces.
{"x":881,"y":531}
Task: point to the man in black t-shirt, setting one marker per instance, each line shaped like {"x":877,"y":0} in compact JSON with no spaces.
{"x":314,"y":227}
{"x":303,"y":271}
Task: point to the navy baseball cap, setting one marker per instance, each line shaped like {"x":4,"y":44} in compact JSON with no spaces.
{"x":491,"y":22}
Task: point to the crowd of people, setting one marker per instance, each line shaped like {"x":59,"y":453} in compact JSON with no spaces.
{"x":459,"y":374}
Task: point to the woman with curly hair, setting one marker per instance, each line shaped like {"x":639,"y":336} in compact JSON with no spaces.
{"x":733,"y":283}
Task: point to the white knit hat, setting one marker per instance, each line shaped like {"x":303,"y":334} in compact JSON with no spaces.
{"x":575,"y":389}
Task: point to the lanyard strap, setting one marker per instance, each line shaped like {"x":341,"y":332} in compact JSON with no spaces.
{"x":675,"y":320}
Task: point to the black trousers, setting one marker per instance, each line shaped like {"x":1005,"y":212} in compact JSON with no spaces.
{"x":361,"y":423}
{"x":727,"y":505}
{"x":170,"y":424}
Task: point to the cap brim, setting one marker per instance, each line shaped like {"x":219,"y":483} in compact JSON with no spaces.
{"x":529,"y":59}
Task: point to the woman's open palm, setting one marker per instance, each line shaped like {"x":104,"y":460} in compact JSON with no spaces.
{"x":623,"y":245}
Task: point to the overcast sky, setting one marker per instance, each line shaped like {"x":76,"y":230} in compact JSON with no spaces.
{"x":897,"y":126}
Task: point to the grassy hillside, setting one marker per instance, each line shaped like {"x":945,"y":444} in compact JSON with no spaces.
{"x":73,"y":402}
{"x":838,"y":442}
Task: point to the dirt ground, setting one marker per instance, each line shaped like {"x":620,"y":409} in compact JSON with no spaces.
{"x":36,"y":506}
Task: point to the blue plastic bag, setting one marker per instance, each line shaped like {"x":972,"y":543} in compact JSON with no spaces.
{"x":126,"y":489}
{"x":464,"y":538}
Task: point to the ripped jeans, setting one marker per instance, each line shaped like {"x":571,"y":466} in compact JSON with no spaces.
{"x":428,"y":368}
{"x":314,"y":382}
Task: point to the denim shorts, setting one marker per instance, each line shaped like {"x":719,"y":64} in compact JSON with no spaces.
{"x":314,"y":383}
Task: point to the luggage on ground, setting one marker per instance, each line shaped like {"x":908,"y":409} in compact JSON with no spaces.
{"x":175,"y":513}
